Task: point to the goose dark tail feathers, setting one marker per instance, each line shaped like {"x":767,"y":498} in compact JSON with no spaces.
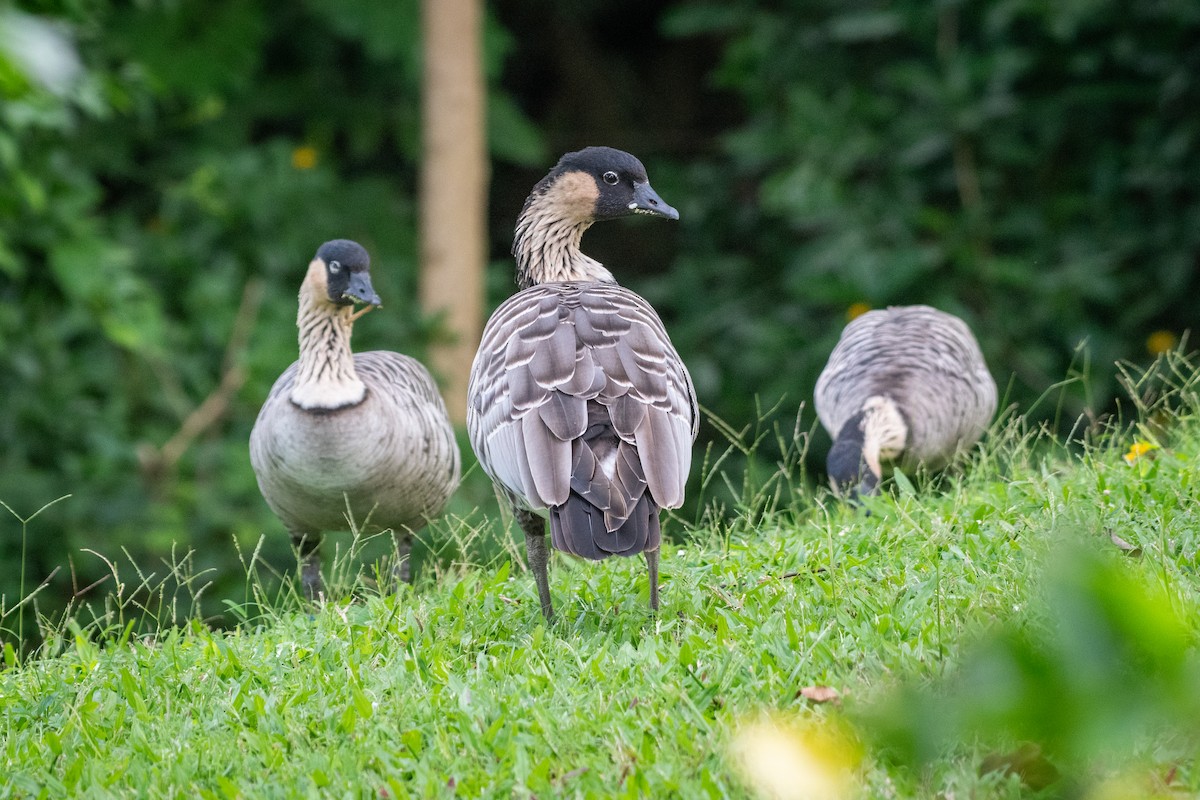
{"x":577,"y":527}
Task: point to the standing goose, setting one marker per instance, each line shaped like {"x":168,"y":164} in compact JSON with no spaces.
{"x":907,"y":385}
{"x":578,"y":403}
{"x":368,"y":429}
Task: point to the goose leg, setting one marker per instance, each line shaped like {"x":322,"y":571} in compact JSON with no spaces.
{"x":402,"y":570}
{"x":309,"y":546}
{"x":652,"y":565}
{"x":538,"y":555}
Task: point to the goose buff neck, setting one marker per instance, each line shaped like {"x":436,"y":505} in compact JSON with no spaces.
{"x":325,"y":378}
{"x":885,"y":433}
{"x":550,"y":228}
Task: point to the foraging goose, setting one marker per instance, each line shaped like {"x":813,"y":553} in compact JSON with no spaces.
{"x":369,"y":429}
{"x":578,"y":403}
{"x":907,"y":385}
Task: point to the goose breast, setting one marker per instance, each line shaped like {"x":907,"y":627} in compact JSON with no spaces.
{"x":393,"y":455}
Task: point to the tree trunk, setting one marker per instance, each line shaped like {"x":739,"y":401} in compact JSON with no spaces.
{"x":454,"y":178}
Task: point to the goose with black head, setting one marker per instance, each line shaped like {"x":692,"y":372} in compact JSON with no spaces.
{"x":905,"y":385}
{"x":341,"y":431}
{"x":579,"y":406}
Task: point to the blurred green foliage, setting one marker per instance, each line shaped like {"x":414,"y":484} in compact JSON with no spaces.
{"x":1070,"y":690}
{"x":1032,"y":167}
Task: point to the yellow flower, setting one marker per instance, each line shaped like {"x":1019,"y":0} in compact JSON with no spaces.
{"x":1161,"y":342}
{"x":1137,"y":450}
{"x":856,"y":310}
{"x":785,"y":760}
{"x":304,"y":157}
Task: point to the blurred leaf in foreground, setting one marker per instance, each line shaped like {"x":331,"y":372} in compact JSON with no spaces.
{"x":1100,"y":663}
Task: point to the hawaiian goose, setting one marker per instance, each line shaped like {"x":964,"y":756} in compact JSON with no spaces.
{"x":906,"y":385}
{"x":365,"y":429}
{"x":578,"y":404}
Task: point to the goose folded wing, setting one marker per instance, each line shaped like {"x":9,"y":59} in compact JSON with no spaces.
{"x":398,"y":375}
{"x":650,"y":397}
{"x":520,"y":420}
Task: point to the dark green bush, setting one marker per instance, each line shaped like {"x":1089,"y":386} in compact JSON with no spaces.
{"x":1033,"y":167}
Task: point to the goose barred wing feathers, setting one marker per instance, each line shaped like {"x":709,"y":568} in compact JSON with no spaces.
{"x":577,"y":388}
{"x":405,"y":376}
{"x":924,"y":359}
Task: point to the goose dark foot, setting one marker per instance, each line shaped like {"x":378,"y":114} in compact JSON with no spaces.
{"x":310,"y":579}
{"x":538,"y":555}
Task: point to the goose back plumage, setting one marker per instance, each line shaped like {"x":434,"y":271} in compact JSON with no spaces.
{"x":925,"y":360}
{"x":578,"y":392}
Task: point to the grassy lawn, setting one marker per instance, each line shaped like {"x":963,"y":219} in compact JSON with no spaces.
{"x":1024,"y":626}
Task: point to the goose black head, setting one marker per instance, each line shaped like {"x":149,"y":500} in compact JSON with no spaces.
{"x":848,"y":469}
{"x":347,"y":273}
{"x":598,"y":183}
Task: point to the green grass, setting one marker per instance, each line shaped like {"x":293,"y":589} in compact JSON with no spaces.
{"x":957,"y":620}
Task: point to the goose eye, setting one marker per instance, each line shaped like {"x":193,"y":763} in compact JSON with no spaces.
{"x":611,"y":178}
{"x":335,"y":266}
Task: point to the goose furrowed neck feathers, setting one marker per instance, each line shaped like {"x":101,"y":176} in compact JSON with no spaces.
{"x":564,"y":205}
{"x":326,"y":379}
{"x":873,"y":435}
{"x":884,"y":433}
{"x":546,"y":243}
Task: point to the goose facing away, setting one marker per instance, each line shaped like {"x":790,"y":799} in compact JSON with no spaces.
{"x":578,"y":404}
{"x":368,"y":429}
{"x":907,"y":385}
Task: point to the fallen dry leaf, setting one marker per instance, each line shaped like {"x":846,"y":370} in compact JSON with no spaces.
{"x":820,"y":694}
{"x":1133,"y":551}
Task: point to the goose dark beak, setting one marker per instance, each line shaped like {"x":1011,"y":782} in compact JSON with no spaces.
{"x":360,"y":289}
{"x":647,"y":201}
